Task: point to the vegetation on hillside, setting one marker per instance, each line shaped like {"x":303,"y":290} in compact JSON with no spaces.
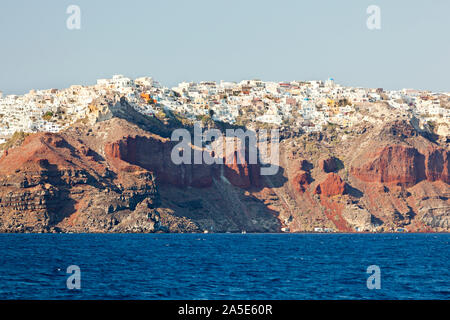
{"x":16,"y":140}
{"x":47,"y":116}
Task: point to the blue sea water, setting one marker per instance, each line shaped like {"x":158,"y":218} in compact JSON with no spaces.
{"x":224,"y":266}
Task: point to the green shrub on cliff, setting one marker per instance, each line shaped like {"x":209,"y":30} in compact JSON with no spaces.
{"x":16,"y":140}
{"x":47,"y":116}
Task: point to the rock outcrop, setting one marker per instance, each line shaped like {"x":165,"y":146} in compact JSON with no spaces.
{"x":301,"y":181}
{"x":404,"y":165}
{"x":239,"y":172}
{"x":331,"y":186}
{"x":154,"y":154}
{"x":437,"y":165}
{"x":328,"y":164}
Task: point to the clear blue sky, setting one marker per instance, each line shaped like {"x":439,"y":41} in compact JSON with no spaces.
{"x":232,"y":40}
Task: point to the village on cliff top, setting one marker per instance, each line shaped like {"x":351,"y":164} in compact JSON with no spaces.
{"x":305,"y":106}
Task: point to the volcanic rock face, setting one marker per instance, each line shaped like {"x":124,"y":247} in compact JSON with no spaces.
{"x":301,"y":181}
{"x":404,"y":165}
{"x":379,"y":178}
{"x":108,"y":182}
{"x":155,"y":155}
{"x":239,"y":172}
{"x":331,"y":186}
{"x":54,"y":183}
{"x":393,"y":164}
{"x":118,"y":176}
{"x":437,"y":165}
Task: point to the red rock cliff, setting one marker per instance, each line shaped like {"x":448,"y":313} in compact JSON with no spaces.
{"x":331,"y":186}
{"x":155,"y":155}
{"x":404,"y":165}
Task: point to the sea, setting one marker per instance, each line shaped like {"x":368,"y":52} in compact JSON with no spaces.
{"x":224,"y":266}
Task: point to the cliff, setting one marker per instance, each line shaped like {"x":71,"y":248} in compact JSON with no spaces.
{"x":116,"y":175}
{"x":373,"y":178}
{"x":121,"y":179}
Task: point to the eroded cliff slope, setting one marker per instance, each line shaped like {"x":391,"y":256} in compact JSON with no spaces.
{"x":117,"y":176}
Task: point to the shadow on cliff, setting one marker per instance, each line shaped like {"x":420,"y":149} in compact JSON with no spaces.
{"x":60,"y":205}
{"x":354,"y":192}
{"x":171,"y":122}
{"x":222,"y":207}
{"x":277,"y":180}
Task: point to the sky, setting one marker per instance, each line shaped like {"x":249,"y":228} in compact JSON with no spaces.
{"x":198,"y":40}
